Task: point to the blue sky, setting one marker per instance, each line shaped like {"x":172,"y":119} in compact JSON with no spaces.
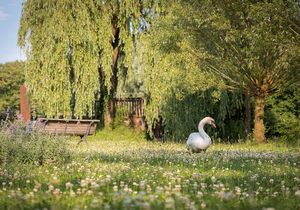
{"x":10,"y":11}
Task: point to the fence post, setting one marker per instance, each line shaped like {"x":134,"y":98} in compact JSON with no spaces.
{"x":24,"y":104}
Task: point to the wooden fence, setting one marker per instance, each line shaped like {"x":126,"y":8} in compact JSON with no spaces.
{"x":130,"y":107}
{"x":132,"y":110}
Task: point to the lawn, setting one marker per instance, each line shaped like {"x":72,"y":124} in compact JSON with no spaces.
{"x":121,"y":170}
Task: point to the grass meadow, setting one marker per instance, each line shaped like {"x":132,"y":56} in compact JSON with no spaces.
{"x":121,"y":170}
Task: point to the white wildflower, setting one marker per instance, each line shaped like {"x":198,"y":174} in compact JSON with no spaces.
{"x":69,"y":185}
{"x":89,"y":192}
{"x":170,"y":203}
{"x":213,"y":179}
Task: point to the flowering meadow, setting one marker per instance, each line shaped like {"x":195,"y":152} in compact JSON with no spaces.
{"x":115,"y":171}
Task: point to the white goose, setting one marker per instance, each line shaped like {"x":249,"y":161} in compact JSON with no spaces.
{"x":200,"y":141}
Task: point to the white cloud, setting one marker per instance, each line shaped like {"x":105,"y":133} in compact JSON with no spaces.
{"x":3,"y":14}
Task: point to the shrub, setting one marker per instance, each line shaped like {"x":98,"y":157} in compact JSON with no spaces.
{"x":283,"y":115}
{"x":17,"y":145}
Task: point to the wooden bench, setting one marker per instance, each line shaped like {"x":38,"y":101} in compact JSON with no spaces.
{"x":73,"y":127}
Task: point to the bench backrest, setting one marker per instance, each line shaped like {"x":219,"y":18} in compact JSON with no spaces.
{"x":67,"y":126}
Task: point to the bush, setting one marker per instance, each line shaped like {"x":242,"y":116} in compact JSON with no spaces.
{"x":283,"y":115}
{"x":21,"y":147}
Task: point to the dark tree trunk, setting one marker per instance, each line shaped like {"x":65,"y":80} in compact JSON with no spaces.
{"x":100,"y":107}
{"x":111,"y":107}
{"x":247,"y":115}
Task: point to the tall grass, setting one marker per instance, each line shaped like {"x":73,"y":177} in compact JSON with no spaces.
{"x":19,"y":146}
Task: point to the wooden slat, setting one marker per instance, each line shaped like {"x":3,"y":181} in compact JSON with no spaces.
{"x":68,"y":127}
{"x":67,"y":120}
{"x":130,"y":106}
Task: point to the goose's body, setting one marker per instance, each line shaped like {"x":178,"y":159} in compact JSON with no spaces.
{"x":200,"y":141}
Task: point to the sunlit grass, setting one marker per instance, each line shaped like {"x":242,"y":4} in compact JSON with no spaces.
{"x":121,"y":170}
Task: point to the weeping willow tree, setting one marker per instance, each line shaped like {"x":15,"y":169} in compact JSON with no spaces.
{"x":75,"y":50}
{"x":179,"y":89}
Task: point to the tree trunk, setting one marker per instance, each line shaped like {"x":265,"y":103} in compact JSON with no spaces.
{"x":259,"y":128}
{"x":114,"y":83}
{"x":100,"y":107}
{"x":111,"y":108}
{"x":247,"y":115}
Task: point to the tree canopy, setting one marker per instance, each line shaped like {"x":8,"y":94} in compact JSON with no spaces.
{"x":179,"y":89}
{"x":253,"y":45}
{"x":11,"y":77}
{"x":73,"y":49}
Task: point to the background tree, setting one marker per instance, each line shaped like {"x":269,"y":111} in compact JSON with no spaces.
{"x":75,"y":50}
{"x":11,"y":77}
{"x":178,"y":88}
{"x":253,"y":45}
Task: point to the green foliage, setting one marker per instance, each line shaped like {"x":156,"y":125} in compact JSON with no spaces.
{"x":181,"y":117}
{"x":19,"y":147}
{"x":178,"y":87}
{"x":70,"y":61}
{"x":283,"y":114}
{"x":252,"y":45}
{"x":63,"y":59}
{"x":11,"y":77}
{"x":132,"y":84}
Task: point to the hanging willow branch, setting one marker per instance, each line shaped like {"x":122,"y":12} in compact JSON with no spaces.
{"x":67,"y":42}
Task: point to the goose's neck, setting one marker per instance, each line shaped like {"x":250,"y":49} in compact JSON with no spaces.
{"x":202,"y":133}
